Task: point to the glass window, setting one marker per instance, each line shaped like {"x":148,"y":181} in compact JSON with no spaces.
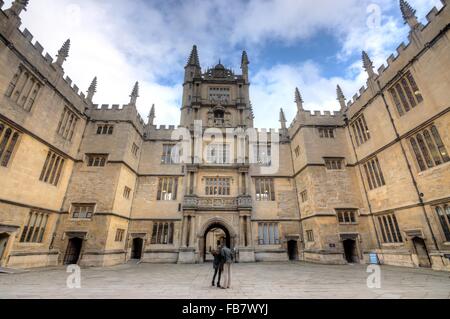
{"x":264,"y":189}
{"x":167,"y":188}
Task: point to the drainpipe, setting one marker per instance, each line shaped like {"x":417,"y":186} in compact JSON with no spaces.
{"x":419,"y":194}
{"x":298,"y":204}
{"x":364,"y":184}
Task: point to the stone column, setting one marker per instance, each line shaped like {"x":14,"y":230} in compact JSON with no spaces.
{"x":191,"y":183}
{"x":249,"y":231}
{"x":192,"y":235}
{"x":239,"y":184}
{"x":184,"y":231}
{"x":241,"y":231}
{"x":194,"y":183}
{"x":246,"y":184}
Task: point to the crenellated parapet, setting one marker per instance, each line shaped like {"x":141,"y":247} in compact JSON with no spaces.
{"x":161,"y":132}
{"x":31,"y":55}
{"x":316,"y":118}
{"x":420,"y":36}
{"x":116,"y":112}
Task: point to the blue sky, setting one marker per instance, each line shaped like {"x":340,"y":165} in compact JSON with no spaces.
{"x":314,"y":45}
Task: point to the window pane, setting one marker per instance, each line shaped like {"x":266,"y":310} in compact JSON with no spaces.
{"x":380,"y":172}
{"x":424,"y":150}
{"x":374,"y":181}
{"x":382,"y":229}
{"x":154,"y":233}
{"x":402,"y":97}
{"x":413,"y":84}
{"x":419,"y":158}
{"x":5,"y":141}
{"x":387,"y":229}
{"x":397,"y":229}
{"x":266,"y":234}
{"x":396,"y":101}
{"x":439,"y":143}
{"x":368,"y":177}
{"x":409,"y":94}
{"x":432,"y":148}
{"x":277,"y":236}
{"x":444,"y":222}
{"x":358,"y":128}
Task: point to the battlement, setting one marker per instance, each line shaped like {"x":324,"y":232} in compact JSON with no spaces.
{"x":161,"y":132}
{"x":267,"y":131}
{"x":316,"y":118}
{"x":437,"y":21}
{"x":48,"y":60}
{"x":114,"y":107}
{"x":310,"y":117}
{"x":117,"y":112}
{"x":33,"y":51}
{"x":165,"y":128}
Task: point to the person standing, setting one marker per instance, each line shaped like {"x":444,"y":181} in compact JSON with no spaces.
{"x":218,"y":266}
{"x":227,"y":259}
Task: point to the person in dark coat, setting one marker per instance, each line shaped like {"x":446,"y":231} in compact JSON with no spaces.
{"x":218,"y":266}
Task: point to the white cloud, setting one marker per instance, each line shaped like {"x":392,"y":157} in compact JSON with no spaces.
{"x":274,"y":88}
{"x":124,"y":41}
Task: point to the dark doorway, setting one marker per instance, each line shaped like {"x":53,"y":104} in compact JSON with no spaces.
{"x":3,"y":243}
{"x":136,"y":249}
{"x":350,"y":251}
{"x":213,"y":228}
{"x":73,"y":251}
{"x":292,"y":250}
{"x":422,"y":252}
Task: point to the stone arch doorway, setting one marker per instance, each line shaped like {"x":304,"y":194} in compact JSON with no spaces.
{"x":136,"y":248}
{"x":73,"y":251}
{"x":350,"y":251}
{"x":4,"y":238}
{"x":422,"y":252}
{"x":213,"y":229}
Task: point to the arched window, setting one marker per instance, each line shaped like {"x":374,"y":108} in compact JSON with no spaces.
{"x":440,"y":144}
{"x":429,"y":149}
{"x":10,"y":149}
{"x":419,"y":158}
{"x":432,"y":147}
{"x":424,"y":150}
{"x":444,"y":221}
{"x":5,"y":140}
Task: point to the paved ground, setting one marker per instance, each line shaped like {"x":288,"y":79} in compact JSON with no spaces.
{"x":260,"y":280}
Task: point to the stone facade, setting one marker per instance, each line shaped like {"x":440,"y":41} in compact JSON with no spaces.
{"x":94,"y":184}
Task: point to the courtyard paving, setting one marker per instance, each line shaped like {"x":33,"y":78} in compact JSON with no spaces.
{"x":254,"y":281}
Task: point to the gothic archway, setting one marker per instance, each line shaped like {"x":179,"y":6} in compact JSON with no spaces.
{"x":211,"y":225}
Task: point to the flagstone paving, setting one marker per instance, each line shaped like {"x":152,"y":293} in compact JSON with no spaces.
{"x":259,"y":280}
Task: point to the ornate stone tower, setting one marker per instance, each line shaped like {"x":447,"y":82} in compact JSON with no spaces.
{"x":217,"y":97}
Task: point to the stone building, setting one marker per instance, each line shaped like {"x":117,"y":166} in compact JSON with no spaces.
{"x":97,"y":185}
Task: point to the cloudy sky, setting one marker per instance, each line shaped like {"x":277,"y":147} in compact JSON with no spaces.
{"x":310,"y":44}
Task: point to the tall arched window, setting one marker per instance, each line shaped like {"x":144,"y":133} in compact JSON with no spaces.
{"x":429,"y":149}
{"x":8,"y":141}
{"x":419,"y":157}
{"x":440,"y":144}
{"x":443,"y":213}
{"x":432,"y":147}
{"x":424,"y":150}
